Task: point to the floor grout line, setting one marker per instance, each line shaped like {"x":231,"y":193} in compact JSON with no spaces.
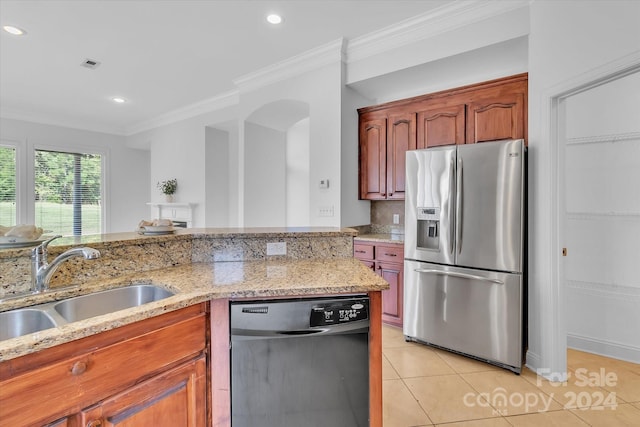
{"x":587,"y":360}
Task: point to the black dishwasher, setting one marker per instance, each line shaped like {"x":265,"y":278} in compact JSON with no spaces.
{"x":302,"y":362}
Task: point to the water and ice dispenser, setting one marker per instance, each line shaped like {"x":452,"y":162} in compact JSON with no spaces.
{"x":428,"y":228}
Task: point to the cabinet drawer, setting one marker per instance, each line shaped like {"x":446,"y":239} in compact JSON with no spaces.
{"x":390,"y":253}
{"x":75,"y":382}
{"x":361,"y":251}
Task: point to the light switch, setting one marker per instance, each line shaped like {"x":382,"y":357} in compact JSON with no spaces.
{"x":324,"y":183}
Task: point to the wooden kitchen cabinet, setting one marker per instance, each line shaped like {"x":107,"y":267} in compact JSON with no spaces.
{"x":441,"y":126}
{"x":130,"y":375}
{"x":387,"y":260}
{"x":170,"y":399}
{"x":401,"y":137}
{"x":373,"y":158}
{"x":481,"y":112}
{"x":494,"y":118}
{"x":384,"y":140}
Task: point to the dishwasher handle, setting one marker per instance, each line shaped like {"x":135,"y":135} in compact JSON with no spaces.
{"x":349,"y":327}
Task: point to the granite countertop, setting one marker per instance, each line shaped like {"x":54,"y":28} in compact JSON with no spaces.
{"x":198,"y":282}
{"x":380,"y":238}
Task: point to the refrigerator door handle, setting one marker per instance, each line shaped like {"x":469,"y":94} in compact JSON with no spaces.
{"x":461,"y":275}
{"x":452,"y":210}
{"x":459,"y":190}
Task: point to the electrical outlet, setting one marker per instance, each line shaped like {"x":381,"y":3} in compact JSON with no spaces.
{"x":325,"y":211}
{"x":277,"y":248}
{"x":396,"y":218}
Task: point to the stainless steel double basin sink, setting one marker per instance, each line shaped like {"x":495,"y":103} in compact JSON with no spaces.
{"x":24,"y":321}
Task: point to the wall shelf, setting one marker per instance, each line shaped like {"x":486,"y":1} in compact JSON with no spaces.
{"x":177,"y":212}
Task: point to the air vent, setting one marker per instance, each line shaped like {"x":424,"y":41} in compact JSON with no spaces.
{"x":90,"y":63}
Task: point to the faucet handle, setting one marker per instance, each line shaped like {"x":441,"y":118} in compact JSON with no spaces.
{"x":42,"y":247}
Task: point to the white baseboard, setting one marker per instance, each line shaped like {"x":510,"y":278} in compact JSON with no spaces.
{"x":603,"y":348}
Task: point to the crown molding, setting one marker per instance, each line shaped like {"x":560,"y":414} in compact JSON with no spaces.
{"x":227,"y":99}
{"x":307,"y":61}
{"x":52,"y":120}
{"x":446,"y":18}
{"x":437,"y":21}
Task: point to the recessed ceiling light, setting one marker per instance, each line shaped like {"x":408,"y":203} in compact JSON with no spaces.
{"x":274,"y":19}
{"x":118,"y":100}
{"x":14,"y":30}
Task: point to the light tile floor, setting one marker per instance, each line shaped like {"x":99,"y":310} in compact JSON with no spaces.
{"x":423,"y":386}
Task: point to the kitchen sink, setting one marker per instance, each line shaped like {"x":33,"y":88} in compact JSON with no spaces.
{"x":99,"y":303}
{"x":24,"y":321}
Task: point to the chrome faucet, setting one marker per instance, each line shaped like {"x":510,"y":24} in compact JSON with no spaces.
{"x":42,"y":271}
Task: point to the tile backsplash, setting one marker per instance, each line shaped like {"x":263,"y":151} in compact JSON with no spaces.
{"x":382,"y":216}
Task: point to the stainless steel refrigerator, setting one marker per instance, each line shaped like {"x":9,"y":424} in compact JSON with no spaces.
{"x":464,"y":249}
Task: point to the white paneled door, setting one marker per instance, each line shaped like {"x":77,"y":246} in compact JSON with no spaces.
{"x":599,"y":129}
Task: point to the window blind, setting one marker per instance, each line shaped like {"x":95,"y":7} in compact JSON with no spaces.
{"x":7,"y":186}
{"x":68,"y":192}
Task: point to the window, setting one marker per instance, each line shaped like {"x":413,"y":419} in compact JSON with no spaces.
{"x":68,"y":192}
{"x":8,"y":210}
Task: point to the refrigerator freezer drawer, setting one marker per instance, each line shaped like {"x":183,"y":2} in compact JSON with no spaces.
{"x":475,"y":312}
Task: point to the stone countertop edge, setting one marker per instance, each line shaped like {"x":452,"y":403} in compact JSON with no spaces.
{"x":133,"y":237}
{"x":380,"y":238}
{"x":195,"y":283}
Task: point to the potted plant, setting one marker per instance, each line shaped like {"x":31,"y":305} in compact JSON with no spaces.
{"x":168,"y":188}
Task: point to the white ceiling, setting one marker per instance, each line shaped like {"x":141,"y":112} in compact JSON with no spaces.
{"x":161,"y":55}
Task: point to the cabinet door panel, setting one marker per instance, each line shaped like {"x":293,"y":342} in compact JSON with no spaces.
{"x":176,"y":398}
{"x":390,"y":253}
{"x":93,"y":370}
{"x":441,"y":126}
{"x":363,"y":252}
{"x":373,"y":138}
{"x":401,"y":136}
{"x":496,"y":118}
{"x":392,"y":298}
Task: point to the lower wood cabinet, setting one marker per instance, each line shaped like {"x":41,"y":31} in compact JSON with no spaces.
{"x":387,"y":260}
{"x":149,"y":373}
{"x":170,"y":399}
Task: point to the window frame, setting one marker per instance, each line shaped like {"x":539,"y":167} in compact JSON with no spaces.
{"x":68,"y":148}
{"x":21,"y":177}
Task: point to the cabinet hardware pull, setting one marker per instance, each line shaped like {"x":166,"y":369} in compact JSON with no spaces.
{"x":94,"y":423}
{"x":78,"y":368}
{"x":391,"y":254}
{"x":361,"y":252}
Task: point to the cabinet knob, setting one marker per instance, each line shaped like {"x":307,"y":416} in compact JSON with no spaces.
{"x":78,"y":368}
{"x":94,"y":423}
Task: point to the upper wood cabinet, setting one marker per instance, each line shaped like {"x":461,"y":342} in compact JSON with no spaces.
{"x":500,"y":117}
{"x":482,"y":112}
{"x":373,"y":158}
{"x":384,"y":140}
{"x":441,"y":126}
{"x":401,"y":136}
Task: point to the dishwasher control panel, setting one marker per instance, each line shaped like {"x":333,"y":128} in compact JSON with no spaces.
{"x":336,"y":313}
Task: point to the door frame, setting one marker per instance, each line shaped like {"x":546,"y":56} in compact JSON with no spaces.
{"x":551,"y":309}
